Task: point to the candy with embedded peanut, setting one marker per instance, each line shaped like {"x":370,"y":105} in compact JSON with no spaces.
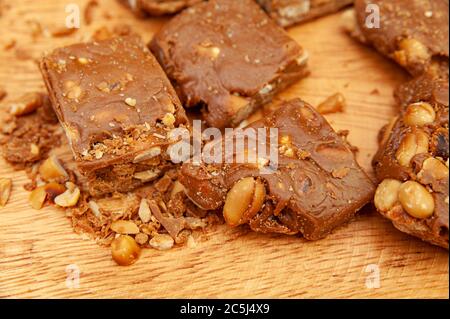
{"x":416,"y":200}
{"x":243,"y":201}
{"x":386,"y":195}
{"x":411,"y":51}
{"x":412,"y":144}
{"x":419,"y":114}
{"x":432,"y":170}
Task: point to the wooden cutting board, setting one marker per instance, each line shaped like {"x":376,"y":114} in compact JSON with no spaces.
{"x":38,"y":248}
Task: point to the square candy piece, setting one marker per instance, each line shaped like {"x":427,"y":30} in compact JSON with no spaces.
{"x":413,"y":33}
{"x":290,"y":12}
{"x":229,"y":57}
{"x":116,"y":106}
{"x":316,"y":187}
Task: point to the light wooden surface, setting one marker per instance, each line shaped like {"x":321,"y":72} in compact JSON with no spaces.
{"x":37,"y":246}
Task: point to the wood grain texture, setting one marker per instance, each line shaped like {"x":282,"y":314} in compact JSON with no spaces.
{"x":37,"y":246}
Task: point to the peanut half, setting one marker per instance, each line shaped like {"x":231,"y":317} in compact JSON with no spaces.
{"x":412,"y":144}
{"x":125,"y":227}
{"x":148,"y":154}
{"x":52,"y":170}
{"x":37,"y":197}
{"x":70,"y":197}
{"x":144,"y":211}
{"x":243,"y":201}
{"x":432,"y":170}
{"x":411,"y":51}
{"x":162,"y":242}
{"x":419,"y":114}
{"x":416,"y":200}
{"x":386,"y":195}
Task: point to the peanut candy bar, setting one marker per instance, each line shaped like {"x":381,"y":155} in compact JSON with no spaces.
{"x":229,"y":58}
{"x":116,"y":106}
{"x":316,"y":187}
{"x":412,"y":162}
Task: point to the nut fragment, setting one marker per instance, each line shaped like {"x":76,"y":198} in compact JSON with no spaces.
{"x":73,"y":91}
{"x":432,"y":170}
{"x":258,"y":200}
{"x":210,"y":51}
{"x":37,"y":197}
{"x":412,"y":144}
{"x":416,"y":200}
{"x":177,"y":188}
{"x":5,"y":190}
{"x":70,"y":197}
{"x":141,"y":239}
{"x":83,"y":60}
{"x":26,"y":104}
{"x":162,"y":242}
{"x":34,"y":149}
{"x":237,"y":103}
{"x":52,"y":170}
{"x":125,"y":251}
{"x":130,"y":101}
{"x":386,"y":195}
{"x":146,"y":176}
{"x":244,"y":200}
{"x":148,"y":154}
{"x":53,"y":190}
{"x":411,"y":51}
{"x":333,"y":104}
{"x":144,"y":211}
{"x":419,"y":114}
{"x":169,"y":120}
{"x":95,"y":209}
{"x":125,"y":227}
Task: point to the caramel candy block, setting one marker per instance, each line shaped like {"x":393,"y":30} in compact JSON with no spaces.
{"x":158,"y":7}
{"x":412,"y":162}
{"x":290,"y":12}
{"x":229,"y":58}
{"x":116,"y":106}
{"x":413,"y":33}
{"x":316,"y":186}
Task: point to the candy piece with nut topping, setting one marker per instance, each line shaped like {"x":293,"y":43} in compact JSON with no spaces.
{"x":229,"y":58}
{"x":316,"y":187}
{"x":413,"y":33}
{"x":116,"y":106}
{"x":158,"y":7}
{"x":412,"y":162}
{"x":290,"y":12}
